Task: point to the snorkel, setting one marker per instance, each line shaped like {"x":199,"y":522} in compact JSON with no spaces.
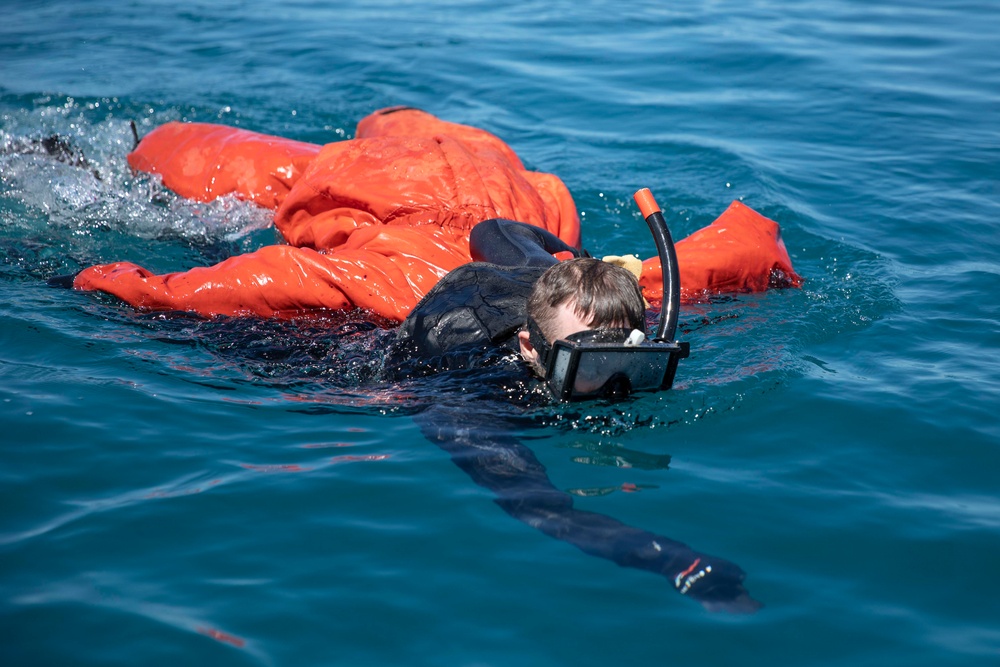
{"x":614,"y":363}
{"x":670,"y":305}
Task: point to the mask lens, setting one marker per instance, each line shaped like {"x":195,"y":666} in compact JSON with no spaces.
{"x":598,"y":369}
{"x":613,"y":371}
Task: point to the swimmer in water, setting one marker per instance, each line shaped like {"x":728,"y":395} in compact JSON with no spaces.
{"x":579,"y":323}
{"x":52,"y":146}
{"x":517,"y":297}
{"x":514,"y":295}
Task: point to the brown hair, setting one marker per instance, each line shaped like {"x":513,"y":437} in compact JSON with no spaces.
{"x":604,"y":295}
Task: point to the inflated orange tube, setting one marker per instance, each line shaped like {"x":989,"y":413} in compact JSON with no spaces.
{"x":202,"y":161}
{"x":741,"y":251}
{"x":383,"y":271}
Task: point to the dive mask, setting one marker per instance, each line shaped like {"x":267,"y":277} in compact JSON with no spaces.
{"x":610,"y":363}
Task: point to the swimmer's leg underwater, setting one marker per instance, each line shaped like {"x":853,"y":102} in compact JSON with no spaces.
{"x":482,"y":444}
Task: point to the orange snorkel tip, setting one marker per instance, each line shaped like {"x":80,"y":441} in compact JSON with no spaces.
{"x":670,"y":304}
{"x":647,"y":204}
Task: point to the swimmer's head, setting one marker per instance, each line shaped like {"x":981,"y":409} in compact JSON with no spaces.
{"x":578,"y":295}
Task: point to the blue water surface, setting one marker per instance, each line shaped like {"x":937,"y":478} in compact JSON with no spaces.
{"x":176,"y":490}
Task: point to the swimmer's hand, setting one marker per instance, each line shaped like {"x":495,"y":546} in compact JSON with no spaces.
{"x":717,"y":584}
{"x":630,"y":263}
{"x":65,"y":282}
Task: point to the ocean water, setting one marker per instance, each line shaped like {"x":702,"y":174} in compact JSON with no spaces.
{"x":183,"y":491}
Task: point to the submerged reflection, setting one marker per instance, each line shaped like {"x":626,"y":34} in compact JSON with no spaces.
{"x":610,"y":454}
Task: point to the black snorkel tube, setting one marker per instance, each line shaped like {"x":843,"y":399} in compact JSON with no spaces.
{"x":670,"y":304}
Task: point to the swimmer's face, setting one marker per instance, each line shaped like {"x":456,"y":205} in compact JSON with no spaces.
{"x":567,"y":321}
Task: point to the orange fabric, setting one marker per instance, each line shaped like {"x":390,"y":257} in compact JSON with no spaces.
{"x":389,"y":212}
{"x":741,"y":251}
{"x":201,"y":161}
{"x":383,"y":271}
{"x":560,"y":216}
{"x":408,"y":122}
{"x":374,"y":222}
{"x":408,"y":168}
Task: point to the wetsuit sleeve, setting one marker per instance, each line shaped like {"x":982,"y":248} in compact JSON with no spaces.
{"x":516,"y":244}
{"x":492,"y":456}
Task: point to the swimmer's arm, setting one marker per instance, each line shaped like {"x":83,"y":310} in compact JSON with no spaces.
{"x":511,"y":243}
{"x":494,"y":459}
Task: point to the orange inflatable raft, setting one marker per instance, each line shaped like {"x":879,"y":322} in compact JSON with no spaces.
{"x":374,"y":222}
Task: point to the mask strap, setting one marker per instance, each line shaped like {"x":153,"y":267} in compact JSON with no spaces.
{"x":538,"y":341}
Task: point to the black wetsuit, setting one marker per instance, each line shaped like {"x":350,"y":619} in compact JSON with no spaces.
{"x":480,"y":307}
{"x":483,"y":303}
